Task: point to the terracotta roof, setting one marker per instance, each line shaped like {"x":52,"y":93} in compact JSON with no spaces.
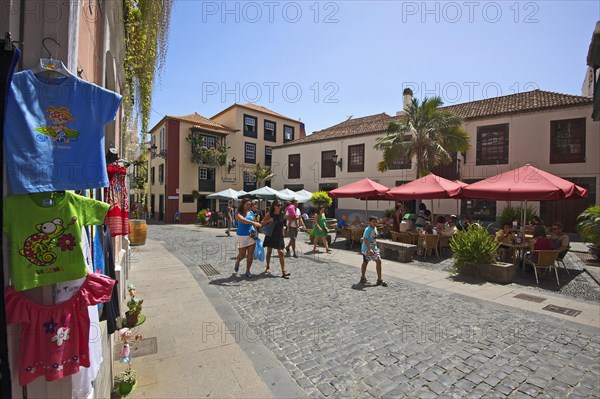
{"x":352,"y":127}
{"x":255,"y":107}
{"x":536,"y":100}
{"x":200,"y":122}
{"x":529,"y":101}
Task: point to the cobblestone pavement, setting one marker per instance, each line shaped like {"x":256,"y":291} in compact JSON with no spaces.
{"x":338,"y":339}
{"x":577,"y":284}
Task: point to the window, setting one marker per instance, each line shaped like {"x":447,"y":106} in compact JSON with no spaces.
{"x":250,"y":123}
{"x":492,"y":144}
{"x":567,"y":141}
{"x":209,"y":141}
{"x":268,"y":155}
{"x":161,"y":173}
{"x":162,"y":139}
{"x":249,"y":181}
{"x":404,"y":162}
{"x":327,"y":164}
{"x":203,"y":173}
{"x":270,"y":131}
{"x":250,"y":153}
{"x":294,"y":166}
{"x":288,"y":133}
{"x":356,"y":158}
{"x":152,"y":175}
{"x":187,"y":198}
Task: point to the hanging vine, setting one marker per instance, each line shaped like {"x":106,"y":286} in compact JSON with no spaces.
{"x":201,"y":154}
{"x":146,"y":43}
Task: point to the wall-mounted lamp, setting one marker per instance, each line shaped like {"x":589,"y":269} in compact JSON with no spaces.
{"x":231,"y":165}
{"x":337,"y":161}
{"x":154,"y":154}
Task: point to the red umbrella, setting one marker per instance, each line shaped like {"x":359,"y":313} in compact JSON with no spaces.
{"x":427,"y":187}
{"x":526,"y":183}
{"x":364,"y":189}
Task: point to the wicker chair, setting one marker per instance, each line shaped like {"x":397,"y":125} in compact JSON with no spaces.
{"x":357,"y":234}
{"x":430,"y":242}
{"x":396,"y":236}
{"x":545,"y":260}
{"x":560,"y":259}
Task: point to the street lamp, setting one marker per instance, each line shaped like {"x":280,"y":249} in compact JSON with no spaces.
{"x":154,"y":154}
{"x":231,"y":164}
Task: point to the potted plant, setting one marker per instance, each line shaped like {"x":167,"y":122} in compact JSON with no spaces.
{"x":125,"y":382}
{"x":135,"y":307}
{"x":474,"y":253}
{"x":202,"y":217}
{"x":588,"y":227}
{"x":138,"y":230}
{"x":321,"y":198}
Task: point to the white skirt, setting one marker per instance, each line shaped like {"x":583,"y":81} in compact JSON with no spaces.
{"x":245,"y":241}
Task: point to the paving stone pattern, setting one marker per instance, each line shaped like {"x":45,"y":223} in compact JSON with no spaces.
{"x":338,"y":339}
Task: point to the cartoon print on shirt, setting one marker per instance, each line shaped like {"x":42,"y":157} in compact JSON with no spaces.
{"x":58,"y":131}
{"x":38,"y":248}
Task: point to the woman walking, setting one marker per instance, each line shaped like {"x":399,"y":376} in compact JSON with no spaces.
{"x":275,"y":240}
{"x":320,"y":230}
{"x":246,"y":241}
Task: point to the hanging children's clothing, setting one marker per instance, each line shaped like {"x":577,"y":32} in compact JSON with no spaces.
{"x":54,"y":137}
{"x":103,"y":254}
{"x":45,"y":235}
{"x":55,"y":339}
{"x":117,"y":218}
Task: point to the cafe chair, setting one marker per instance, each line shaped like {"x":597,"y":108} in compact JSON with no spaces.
{"x":561,"y":260}
{"x":396,"y":236}
{"x":543,"y":260}
{"x":357,"y":234}
{"x":431,"y":242}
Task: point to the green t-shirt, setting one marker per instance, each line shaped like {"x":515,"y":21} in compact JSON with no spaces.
{"x":44,"y":230}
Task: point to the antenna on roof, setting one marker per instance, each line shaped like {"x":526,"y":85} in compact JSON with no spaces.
{"x":349,"y":117}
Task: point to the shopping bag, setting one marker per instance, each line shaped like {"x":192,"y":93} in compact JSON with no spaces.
{"x":267,"y":229}
{"x":259,"y":251}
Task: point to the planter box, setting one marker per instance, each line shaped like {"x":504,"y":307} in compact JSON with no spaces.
{"x":499,"y":272}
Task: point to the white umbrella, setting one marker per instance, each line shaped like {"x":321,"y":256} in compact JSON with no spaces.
{"x":224,"y":195}
{"x":268,"y":193}
{"x":287,"y":191}
{"x":303,"y":196}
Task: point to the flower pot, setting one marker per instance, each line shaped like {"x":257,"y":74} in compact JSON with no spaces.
{"x":137,"y":232}
{"x":132,"y":318}
{"x":126,"y":388}
{"x":498,"y":272}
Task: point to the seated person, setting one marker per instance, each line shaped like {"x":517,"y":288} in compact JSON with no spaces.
{"x":406,"y":225}
{"x":356,"y":221}
{"x":505,"y":236}
{"x":341,"y":224}
{"x":466,"y":223}
{"x":441,"y":224}
{"x":428,"y":229}
{"x":560,"y":241}
{"x":450,"y":229}
{"x":539,"y":230}
{"x":456,"y":222}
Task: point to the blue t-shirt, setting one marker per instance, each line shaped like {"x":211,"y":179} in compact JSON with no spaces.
{"x":243,"y":229}
{"x":54,"y":133}
{"x":370,"y":234}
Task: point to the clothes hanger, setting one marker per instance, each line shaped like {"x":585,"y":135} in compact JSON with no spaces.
{"x":49,"y":65}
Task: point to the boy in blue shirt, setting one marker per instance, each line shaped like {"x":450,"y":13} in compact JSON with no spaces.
{"x":371,"y":252}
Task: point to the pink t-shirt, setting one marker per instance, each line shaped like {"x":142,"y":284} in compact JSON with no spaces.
{"x":54,"y":338}
{"x":290,"y":210}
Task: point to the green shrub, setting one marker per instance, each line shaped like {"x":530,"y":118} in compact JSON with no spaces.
{"x":589,"y":225}
{"x":202,"y":216}
{"x":321,"y":198}
{"x":511,"y":213}
{"x":472,"y":246}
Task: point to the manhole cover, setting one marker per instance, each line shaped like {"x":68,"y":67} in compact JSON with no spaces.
{"x":561,"y":310}
{"x":530,"y":298}
{"x":208,"y":269}
{"x":146,"y":346}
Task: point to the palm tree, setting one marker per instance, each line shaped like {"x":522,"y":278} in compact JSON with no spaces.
{"x":426,"y":132}
{"x":262,"y":174}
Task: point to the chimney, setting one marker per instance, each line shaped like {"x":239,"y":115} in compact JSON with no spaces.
{"x":407,"y":96}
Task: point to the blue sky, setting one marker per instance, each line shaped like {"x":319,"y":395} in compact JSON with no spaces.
{"x":324,"y":61}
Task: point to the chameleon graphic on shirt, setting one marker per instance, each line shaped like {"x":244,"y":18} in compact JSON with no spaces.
{"x":38,"y":248}
{"x":58,"y":131}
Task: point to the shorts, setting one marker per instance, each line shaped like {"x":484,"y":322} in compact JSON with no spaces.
{"x":367,"y":257}
{"x":293,"y":232}
{"x":245,"y":241}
